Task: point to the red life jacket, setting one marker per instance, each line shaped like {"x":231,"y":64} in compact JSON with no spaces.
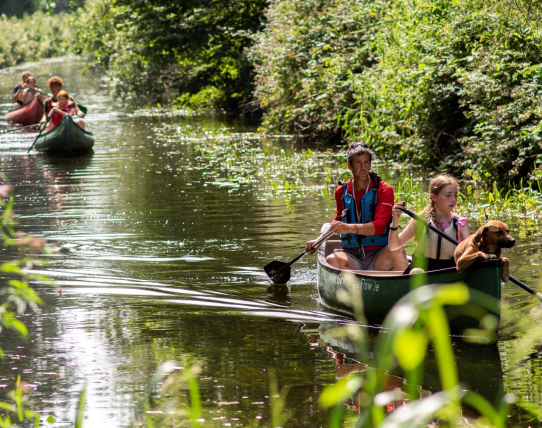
{"x":57,"y":117}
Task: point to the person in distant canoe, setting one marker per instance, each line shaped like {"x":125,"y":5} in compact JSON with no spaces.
{"x":438,"y":252}
{"x":31,"y":91}
{"x":55,"y":84}
{"x":18,"y":90}
{"x":63,"y":108}
{"x":364,"y":228}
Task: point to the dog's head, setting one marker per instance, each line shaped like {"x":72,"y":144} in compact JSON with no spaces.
{"x":494,"y":235}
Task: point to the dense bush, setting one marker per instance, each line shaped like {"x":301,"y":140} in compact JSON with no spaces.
{"x":456,"y":88}
{"x":304,"y":60}
{"x":33,"y":37}
{"x":448,"y":85}
{"x":163,"y":49}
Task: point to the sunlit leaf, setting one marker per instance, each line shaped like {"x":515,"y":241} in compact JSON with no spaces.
{"x":453,"y":294}
{"x":409,"y":346}
{"x":340,"y":391}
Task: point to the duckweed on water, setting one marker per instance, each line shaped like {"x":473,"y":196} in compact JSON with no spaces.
{"x":247,"y":159}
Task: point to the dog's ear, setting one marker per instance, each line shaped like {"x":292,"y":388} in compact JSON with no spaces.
{"x":479,"y":234}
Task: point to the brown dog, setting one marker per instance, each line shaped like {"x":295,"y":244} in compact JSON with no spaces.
{"x":485,"y":243}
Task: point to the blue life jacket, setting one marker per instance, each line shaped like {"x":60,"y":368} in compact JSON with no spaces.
{"x":369,"y":201}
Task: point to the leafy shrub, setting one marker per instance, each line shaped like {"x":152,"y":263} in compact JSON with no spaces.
{"x":33,"y":37}
{"x":305,"y":57}
{"x":434,"y":82}
{"x":164,"y":50}
{"x":457,"y":83}
{"x":16,"y":296}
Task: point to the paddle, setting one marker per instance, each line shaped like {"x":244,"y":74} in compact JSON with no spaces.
{"x":279,"y":272}
{"x":44,"y":126}
{"x":453,"y":241}
{"x":18,"y":129}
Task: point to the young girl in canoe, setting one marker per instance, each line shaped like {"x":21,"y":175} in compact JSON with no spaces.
{"x":63,"y":108}
{"x":30,"y":92}
{"x":438,"y":252}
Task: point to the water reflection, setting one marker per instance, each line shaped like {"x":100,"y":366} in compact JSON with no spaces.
{"x":161,"y":237}
{"x":478,"y":366}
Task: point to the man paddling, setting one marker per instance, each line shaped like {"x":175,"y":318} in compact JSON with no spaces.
{"x":55,"y":84}
{"x":364,"y":229}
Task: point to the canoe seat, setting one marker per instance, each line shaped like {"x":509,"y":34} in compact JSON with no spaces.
{"x":332,"y":245}
{"x":378,"y":272}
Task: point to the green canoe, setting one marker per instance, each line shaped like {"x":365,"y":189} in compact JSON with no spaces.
{"x":65,"y":138}
{"x":381,"y":290}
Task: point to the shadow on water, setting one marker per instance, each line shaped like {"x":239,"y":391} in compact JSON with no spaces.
{"x":67,"y":164}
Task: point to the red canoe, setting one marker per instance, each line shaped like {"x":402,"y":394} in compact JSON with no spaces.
{"x":28,"y":114}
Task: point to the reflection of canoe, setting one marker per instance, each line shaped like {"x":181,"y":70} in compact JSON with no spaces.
{"x":478,"y":366}
{"x":65,"y":138}
{"x":28,"y":114}
{"x":381,"y":290}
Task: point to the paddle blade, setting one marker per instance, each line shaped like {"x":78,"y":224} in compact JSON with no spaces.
{"x":278,"y":271}
{"x":83,"y":108}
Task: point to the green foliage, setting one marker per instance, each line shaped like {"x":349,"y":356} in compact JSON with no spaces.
{"x":81,"y":408}
{"x":16,"y":296}
{"x":33,"y":37}
{"x":182,"y":402}
{"x":304,"y":60}
{"x":436,"y":82}
{"x":162,"y":49}
{"x":278,"y":402}
{"x":19,"y":8}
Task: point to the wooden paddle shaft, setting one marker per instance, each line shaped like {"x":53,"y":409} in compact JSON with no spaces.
{"x":45,"y":126}
{"x":318,"y":242}
{"x":18,"y":129}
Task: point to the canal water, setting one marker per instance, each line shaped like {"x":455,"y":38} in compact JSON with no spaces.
{"x":160,"y":237}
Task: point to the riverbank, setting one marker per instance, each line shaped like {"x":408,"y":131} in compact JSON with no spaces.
{"x":34,"y":37}
{"x":449,"y":87}
{"x":307,"y":173}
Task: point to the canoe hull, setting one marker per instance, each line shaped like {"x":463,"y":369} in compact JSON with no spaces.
{"x":29,"y":114}
{"x":65,"y":138}
{"x":381,"y":292}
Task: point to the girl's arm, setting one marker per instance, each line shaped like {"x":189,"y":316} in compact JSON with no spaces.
{"x":63,"y":113}
{"x":465,"y":232}
{"x":398,"y":240}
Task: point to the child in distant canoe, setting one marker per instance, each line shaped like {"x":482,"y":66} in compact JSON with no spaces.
{"x":438,"y":252}
{"x":31,"y":91}
{"x":18,"y":90}
{"x":55,"y":84}
{"x":63,"y":108}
